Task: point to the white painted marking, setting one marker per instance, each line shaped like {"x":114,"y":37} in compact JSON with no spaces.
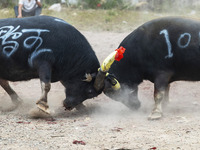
{"x":11,"y":46}
{"x":169,"y":45}
{"x":59,"y":20}
{"x":181,"y":37}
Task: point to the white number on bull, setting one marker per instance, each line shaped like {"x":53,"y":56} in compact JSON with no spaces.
{"x":183,"y":36}
{"x":169,"y":45}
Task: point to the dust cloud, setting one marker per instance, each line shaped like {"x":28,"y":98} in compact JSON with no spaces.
{"x":184,"y":96}
{"x":105,"y":123}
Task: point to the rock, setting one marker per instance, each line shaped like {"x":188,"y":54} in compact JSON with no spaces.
{"x":73,"y":2}
{"x":56,"y":7}
{"x":63,"y":1}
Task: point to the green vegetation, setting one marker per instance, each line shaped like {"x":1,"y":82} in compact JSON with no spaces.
{"x":6,"y":3}
{"x":104,"y":20}
{"x":102,"y":4}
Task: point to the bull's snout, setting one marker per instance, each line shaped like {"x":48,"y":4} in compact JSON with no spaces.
{"x":69,"y":104}
{"x":67,"y":107}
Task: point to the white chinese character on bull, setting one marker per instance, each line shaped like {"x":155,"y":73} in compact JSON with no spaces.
{"x":10,"y":46}
{"x":6,"y":32}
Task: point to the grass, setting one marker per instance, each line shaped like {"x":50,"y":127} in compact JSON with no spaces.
{"x":104,"y":20}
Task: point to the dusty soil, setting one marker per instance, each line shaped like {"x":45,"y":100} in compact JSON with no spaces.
{"x":106,"y":124}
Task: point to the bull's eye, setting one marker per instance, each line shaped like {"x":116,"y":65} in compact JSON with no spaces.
{"x":90,"y":91}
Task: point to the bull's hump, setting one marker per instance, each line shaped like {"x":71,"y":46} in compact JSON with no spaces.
{"x":36,"y":21}
{"x":166,"y":22}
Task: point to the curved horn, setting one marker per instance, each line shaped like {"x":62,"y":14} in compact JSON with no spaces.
{"x":115,"y":84}
{"x":117,"y":55}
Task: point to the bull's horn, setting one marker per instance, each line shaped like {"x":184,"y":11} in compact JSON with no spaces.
{"x":117,"y":55}
{"x":115,"y":86}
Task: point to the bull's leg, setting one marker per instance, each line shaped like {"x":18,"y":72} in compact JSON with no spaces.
{"x":132,"y":101}
{"x":45,"y":80}
{"x":13,"y":95}
{"x":166,"y":96}
{"x":161,"y":90}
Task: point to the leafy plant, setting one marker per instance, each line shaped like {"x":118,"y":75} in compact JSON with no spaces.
{"x":50,"y":2}
{"x":101,"y":4}
{"x":89,"y":3}
{"x":109,"y":4}
{"x":6,"y":3}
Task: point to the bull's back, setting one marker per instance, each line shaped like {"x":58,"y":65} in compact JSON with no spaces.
{"x":24,"y":39}
{"x":167,"y":44}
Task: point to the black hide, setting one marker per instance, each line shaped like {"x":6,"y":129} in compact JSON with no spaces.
{"x":162,"y":51}
{"x":26,"y":43}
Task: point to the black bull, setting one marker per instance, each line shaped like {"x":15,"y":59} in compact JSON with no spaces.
{"x":50,"y":49}
{"x":162,"y":51}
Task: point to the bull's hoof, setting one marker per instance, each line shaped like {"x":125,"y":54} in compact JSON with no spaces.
{"x":16,"y":103}
{"x":43,"y":106}
{"x":155,"y":116}
{"x":9,"y":109}
{"x":38,"y":113}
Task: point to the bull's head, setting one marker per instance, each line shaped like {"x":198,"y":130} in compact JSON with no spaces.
{"x":96,"y":81}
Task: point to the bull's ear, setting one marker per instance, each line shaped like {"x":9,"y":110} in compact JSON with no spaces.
{"x":88,"y":77}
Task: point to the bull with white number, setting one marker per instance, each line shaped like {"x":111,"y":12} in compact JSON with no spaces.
{"x":50,"y":49}
{"x":161,"y":51}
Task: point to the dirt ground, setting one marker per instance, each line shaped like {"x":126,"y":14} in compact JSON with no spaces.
{"x":106,"y":124}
